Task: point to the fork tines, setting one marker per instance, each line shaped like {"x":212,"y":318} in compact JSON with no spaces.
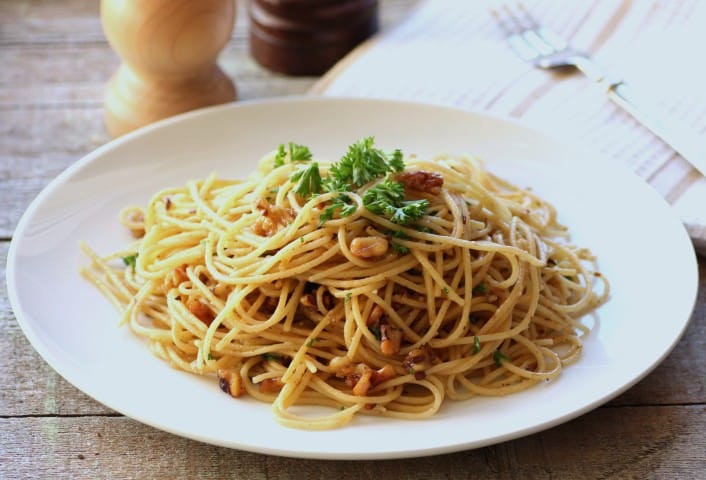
{"x":524,"y":34}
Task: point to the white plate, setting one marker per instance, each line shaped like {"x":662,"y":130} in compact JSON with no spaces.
{"x":643,"y":249}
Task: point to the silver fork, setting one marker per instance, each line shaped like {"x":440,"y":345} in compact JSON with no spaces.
{"x":545,"y":49}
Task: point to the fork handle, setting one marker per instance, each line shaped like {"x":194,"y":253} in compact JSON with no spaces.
{"x":685,"y":142}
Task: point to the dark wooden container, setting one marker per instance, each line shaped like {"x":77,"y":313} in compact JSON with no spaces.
{"x":306,"y":37}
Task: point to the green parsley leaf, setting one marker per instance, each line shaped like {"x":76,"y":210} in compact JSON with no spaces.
{"x":309,"y":179}
{"x":339,"y":204}
{"x":281,"y":155}
{"x":499,"y":357}
{"x":272,"y":356}
{"x":130,"y":260}
{"x":476,"y":344}
{"x":349,"y":295}
{"x":296,"y":153}
{"x":387,"y":199}
{"x":375,"y":330}
{"x":210,"y":357}
{"x":311,"y":341}
{"x":363,"y":163}
{"x":299,"y":153}
{"x":446,"y":290}
{"x":423,"y":229}
{"x":480,"y":289}
{"x":401,"y":249}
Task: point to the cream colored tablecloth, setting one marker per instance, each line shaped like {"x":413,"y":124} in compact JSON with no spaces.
{"x":452,"y":52}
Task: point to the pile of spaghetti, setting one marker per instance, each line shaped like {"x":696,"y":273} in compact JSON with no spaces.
{"x":376,"y":284}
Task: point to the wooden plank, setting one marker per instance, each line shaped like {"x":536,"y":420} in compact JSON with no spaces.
{"x":656,"y":442}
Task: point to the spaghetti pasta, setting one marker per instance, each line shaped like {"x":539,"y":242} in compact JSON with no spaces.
{"x":370,"y":286}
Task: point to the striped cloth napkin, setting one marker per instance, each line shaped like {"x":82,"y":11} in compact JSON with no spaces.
{"x":452,"y":52}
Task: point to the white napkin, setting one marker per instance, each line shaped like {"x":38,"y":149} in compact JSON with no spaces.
{"x":452,"y":52}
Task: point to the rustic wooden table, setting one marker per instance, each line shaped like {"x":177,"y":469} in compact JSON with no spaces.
{"x":54,"y":64}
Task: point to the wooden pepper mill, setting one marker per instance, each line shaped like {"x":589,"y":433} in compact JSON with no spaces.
{"x":169,"y":50}
{"x":306,"y":37}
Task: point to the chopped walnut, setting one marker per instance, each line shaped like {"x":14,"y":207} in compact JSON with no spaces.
{"x":422,"y":181}
{"x":308,"y":300}
{"x":419,"y":359}
{"x":176,"y":277}
{"x":264,"y":227}
{"x":365,"y":377}
{"x":137,"y":227}
{"x":270,"y":385}
{"x":383,"y":374}
{"x":369,"y":247}
{"x":200,"y":311}
{"x":230,"y":382}
{"x":390,"y":338}
{"x":363,"y":380}
{"x":341,"y":366}
{"x":375,"y":315}
{"x":272,"y":217}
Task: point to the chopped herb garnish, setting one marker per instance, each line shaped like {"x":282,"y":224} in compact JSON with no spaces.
{"x":473,"y":318}
{"x":311,"y":341}
{"x":349,"y":295}
{"x":476,"y":344}
{"x":481,"y":289}
{"x":445,"y":290}
{"x":309,"y":180}
{"x":423,"y":229}
{"x":210,"y":357}
{"x":341,"y":408}
{"x":130,"y":260}
{"x":499,"y":357}
{"x":301,"y":239}
{"x":296,"y":153}
{"x":364,"y":163}
{"x":387,"y":199}
{"x":375,"y":330}
{"x":341,"y":204}
{"x":401,"y":249}
{"x":272,"y":356}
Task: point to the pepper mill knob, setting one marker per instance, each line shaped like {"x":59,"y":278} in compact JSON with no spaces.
{"x":169,"y":50}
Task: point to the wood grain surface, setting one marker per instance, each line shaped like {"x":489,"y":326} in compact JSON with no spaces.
{"x":54,"y":65}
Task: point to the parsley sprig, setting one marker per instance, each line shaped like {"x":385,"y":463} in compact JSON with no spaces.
{"x":387,"y":199}
{"x":295,"y":152}
{"x":363,"y":163}
{"x":309,"y":178}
